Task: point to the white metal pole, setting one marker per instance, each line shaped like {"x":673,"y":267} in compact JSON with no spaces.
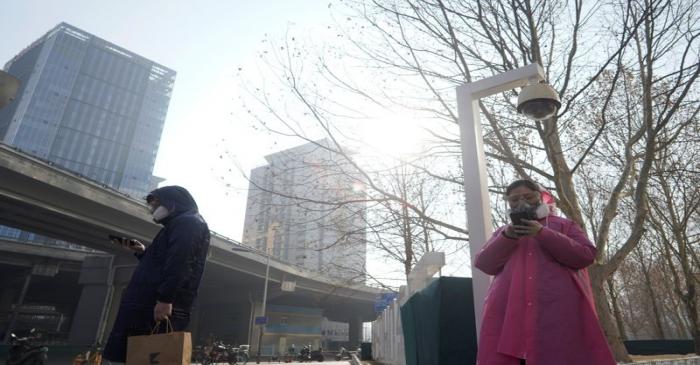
{"x":476,"y":192}
{"x":474,"y":165}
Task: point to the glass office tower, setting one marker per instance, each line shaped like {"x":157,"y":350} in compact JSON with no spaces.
{"x":89,"y":106}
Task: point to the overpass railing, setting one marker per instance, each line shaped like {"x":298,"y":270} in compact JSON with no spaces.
{"x":27,"y":238}
{"x":312,"y":273}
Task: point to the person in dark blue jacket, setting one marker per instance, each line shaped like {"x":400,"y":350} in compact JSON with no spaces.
{"x":166,"y":280}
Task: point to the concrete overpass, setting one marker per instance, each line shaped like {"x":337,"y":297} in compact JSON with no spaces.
{"x":38,"y":197}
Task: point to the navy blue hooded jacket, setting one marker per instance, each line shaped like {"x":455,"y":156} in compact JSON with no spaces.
{"x":171,"y":268}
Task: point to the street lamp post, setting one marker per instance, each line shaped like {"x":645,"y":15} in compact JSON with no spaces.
{"x":269,"y":244}
{"x":264,"y":300}
{"x":474,"y":164}
{"x":264,"y":305}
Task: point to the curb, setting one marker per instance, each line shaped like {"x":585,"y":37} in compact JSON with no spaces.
{"x":686,"y":361}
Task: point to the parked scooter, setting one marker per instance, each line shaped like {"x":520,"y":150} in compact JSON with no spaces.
{"x":26,"y":351}
{"x":343,"y":354}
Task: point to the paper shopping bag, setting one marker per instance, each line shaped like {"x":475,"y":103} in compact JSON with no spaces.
{"x":172,"y":348}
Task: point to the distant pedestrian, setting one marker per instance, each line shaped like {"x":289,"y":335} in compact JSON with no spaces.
{"x":539,"y":309}
{"x":166,"y":280}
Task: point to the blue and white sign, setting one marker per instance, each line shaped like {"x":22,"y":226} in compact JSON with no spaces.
{"x":384,"y":300}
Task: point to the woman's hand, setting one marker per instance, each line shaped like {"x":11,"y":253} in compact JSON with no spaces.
{"x":531,"y":229}
{"x":509,"y":232}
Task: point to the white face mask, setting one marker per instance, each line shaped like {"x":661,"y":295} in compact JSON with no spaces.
{"x":542,"y":211}
{"x":160,"y":213}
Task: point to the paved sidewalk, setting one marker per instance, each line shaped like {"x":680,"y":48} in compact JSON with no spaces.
{"x":683,"y":361}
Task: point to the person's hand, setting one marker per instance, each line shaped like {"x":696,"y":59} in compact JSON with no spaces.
{"x":510,"y":232}
{"x":162,"y":311}
{"x":136,"y":246}
{"x":531,"y":228}
{"x":130,"y":244}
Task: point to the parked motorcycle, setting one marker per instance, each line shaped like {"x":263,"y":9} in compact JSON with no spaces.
{"x":199,"y":354}
{"x":27,"y":350}
{"x":307,"y":355}
{"x":92,"y":356}
{"x":240,"y":354}
{"x":220,"y":352}
{"x":317,"y":355}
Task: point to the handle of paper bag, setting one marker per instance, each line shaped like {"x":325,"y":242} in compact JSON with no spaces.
{"x":168,"y":326}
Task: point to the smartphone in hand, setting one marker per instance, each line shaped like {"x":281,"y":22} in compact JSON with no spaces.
{"x":518,"y":217}
{"x":120,"y":240}
{"x":129,"y":243}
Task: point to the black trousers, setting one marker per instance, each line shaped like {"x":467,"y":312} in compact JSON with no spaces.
{"x":522,"y":361}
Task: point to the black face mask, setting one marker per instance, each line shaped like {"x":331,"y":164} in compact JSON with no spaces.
{"x":527,"y":211}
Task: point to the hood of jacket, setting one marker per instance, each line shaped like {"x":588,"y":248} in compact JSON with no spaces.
{"x":176,"y":199}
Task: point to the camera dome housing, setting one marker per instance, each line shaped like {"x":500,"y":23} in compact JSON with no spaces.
{"x":8,"y":88}
{"x":538,"y":101}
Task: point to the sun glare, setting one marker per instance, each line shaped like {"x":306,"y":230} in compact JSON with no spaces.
{"x":394,"y":137}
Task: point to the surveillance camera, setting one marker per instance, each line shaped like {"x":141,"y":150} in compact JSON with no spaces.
{"x":8,"y":88}
{"x":538,"y":101}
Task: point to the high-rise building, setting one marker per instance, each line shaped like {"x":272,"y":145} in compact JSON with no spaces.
{"x":305,"y":207}
{"x":89,"y":106}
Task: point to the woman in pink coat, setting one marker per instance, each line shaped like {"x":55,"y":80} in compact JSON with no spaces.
{"x":539,"y":309}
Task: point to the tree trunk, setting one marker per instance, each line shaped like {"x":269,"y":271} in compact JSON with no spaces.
{"x":633,"y":325}
{"x":616,"y":310}
{"x":658,"y":325}
{"x":605,"y":316}
{"x":691,"y":303}
{"x":681,"y":323}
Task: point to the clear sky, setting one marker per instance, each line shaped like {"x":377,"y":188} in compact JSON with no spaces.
{"x":205,"y":41}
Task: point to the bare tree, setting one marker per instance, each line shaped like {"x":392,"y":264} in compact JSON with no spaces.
{"x":675,"y":201}
{"x":626,"y":72}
